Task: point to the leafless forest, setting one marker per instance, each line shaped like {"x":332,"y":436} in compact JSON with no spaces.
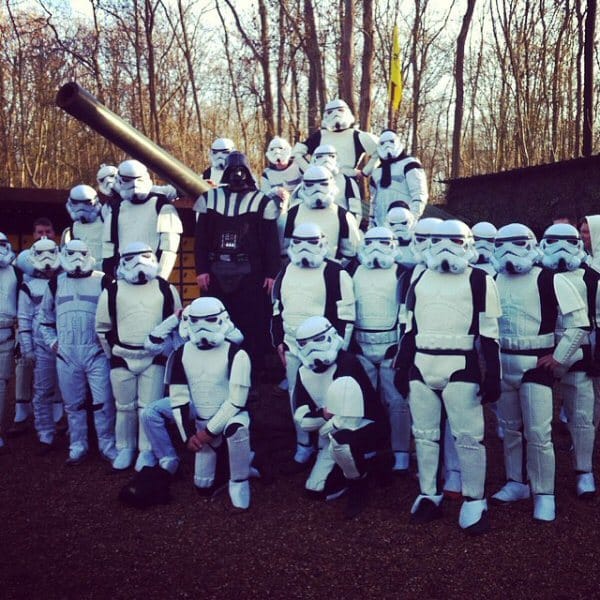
{"x":488,"y":84}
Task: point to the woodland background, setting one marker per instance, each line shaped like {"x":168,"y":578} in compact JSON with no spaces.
{"x":489,"y":85}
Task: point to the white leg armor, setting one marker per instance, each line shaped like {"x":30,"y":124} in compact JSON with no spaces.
{"x":304,"y":449}
{"x":6,"y":370}
{"x":397,"y":407}
{"x":426,"y":410}
{"x":23,"y":387}
{"x":237,"y":434}
{"x":452,"y":478}
{"x":206,"y":464}
{"x":509,"y":415}
{"x":44,"y":391}
{"x":322,"y":467}
{"x":98,"y":377}
{"x":578,"y":399}
{"x":72,"y":380}
{"x":124,"y":386}
{"x":342,"y":455}
{"x":150,"y":387}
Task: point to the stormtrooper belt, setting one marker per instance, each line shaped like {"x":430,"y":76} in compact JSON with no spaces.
{"x":230,"y":258}
{"x":372,"y":336}
{"x":532,"y":342}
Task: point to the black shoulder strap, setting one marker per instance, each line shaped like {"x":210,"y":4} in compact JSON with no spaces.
{"x":114,"y":225}
{"x":53,"y":285}
{"x":290,"y":221}
{"x":168,"y":304}
{"x":359,"y":149}
{"x":112,"y":310}
{"x":160,"y":202}
{"x":344,"y":231}
{"x":591,"y":280}
{"x":477,"y":279}
{"x":233,"y":350}
{"x":333,"y":291}
{"x":348,"y":191}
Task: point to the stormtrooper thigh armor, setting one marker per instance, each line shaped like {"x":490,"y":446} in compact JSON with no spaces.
{"x":237,"y":436}
{"x":525,"y":412}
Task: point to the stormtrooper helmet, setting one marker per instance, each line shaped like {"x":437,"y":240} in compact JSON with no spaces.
{"x":308,"y":246}
{"x":389,"y":145}
{"x":106,"y":178}
{"x":515,"y":249}
{"x":345,"y":398}
{"x":76,"y":259}
{"x":422,"y":232}
{"x":378,"y":248}
{"x":279,"y":152}
{"x":133,"y":181}
{"x":337,"y":116}
{"x":318,"y":343}
{"x":562,"y":248}
{"x":450,"y":248}
{"x":7,"y":254}
{"x":208,"y":322}
{"x":318,"y":188}
{"x":137,"y":263}
{"x":44,"y":257}
{"x":484,"y":234}
{"x":83,"y":204}
{"x":219,"y":151}
{"x":326,"y":156}
{"x":402,"y":222}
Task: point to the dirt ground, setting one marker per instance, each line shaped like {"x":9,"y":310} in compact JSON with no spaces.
{"x":65,"y":535}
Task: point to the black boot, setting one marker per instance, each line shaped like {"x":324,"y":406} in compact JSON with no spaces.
{"x":148,"y":487}
{"x":358,"y":497}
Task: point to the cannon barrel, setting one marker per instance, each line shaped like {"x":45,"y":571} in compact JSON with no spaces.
{"x":82,"y":105}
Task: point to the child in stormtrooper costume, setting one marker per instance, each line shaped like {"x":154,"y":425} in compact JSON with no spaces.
{"x":449,"y":307}
{"x":67,"y":326}
{"x":83,"y":206}
{"x":10,"y":280}
{"x":309,"y":285}
{"x":532,"y":299}
{"x":317,"y":194}
{"x":563,"y":252}
{"x":207,"y":379}
{"x":401,"y":222}
{"x":45,"y":261}
{"x":142,"y":216}
{"x":376,"y":331}
{"x":128,"y":309}
{"x":338,"y":130}
{"x":398,"y":178}
{"x":336,"y":399}
{"x":484,"y":234}
{"x":219,"y":151}
{"x":348,"y":193}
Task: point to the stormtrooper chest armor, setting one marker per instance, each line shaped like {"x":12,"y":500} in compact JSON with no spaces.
{"x":8,"y":296}
{"x":343,"y":142}
{"x":317,"y":384}
{"x":375,"y":292}
{"x":138,"y":223}
{"x":327,"y":219}
{"x":91,"y":234}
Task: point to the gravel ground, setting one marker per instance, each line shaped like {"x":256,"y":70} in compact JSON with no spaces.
{"x":65,"y":535}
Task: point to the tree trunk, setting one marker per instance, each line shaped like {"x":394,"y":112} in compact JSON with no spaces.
{"x":588,"y":78}
{"x":366,"y":79}
{"x":345,"y":75}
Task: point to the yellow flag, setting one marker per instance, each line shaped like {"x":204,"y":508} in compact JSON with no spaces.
{"x":395,"y":87}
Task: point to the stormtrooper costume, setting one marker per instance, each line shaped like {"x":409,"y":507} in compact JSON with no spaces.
{"x":401,"y":222}
{"x":317,"y":195}
{"x":219,"y":151}
{"x":450,"y":306}
{"x":484,"y":234}
{"x":337,"y":401}
{"x":67,"y":326}
{"x":281,"y":177}
{"x":348,"y":193}
{"x":207,"y":379}
{"x":532,"y":299}
{"x":398,"y":180}
{"x":10,"y":280}
{"x":563,"y":253}
{"x":339,"y":131}
{"x":45,"y":261}
{"x":309,"y":285}
{"x":141,"y":216}
{"x":85,"y":209}
{"x":376,"y":332}
{"x":128,"y":309}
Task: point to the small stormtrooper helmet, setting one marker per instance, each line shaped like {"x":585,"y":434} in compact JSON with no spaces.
{"x":83,"y":204}
{"x":133,"y":181}
{"x":219,"y":151}
{"x":208,"y":322}
{"x":76,"y":259}
{"x":326,"y":156}
{"x":44,"y":257}
{"x":345,"y":398}
{"x":389,"y":145}
{"x":562,"y":248}
{"x":318,"y":343}
{"x":401,"y":222}
{"x":378,"y":249}
{"x":137,"y":264}
{"x":318,"y":189}
{"x":279,"y":152}
{"x":337,"y":116}
{"x":308,"y":246}
{"x":7,"y":254}
{"x":515,"y":249}
{"x":422,"y":232}
{"x":484,"y":234}
{"x":450,"y":249}
{"x":106,"y":178}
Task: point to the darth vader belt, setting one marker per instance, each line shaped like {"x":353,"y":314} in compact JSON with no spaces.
{"x":231,"y":258}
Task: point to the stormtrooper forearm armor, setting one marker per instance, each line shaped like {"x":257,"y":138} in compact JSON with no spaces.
{"x":299,"y":152}
{"x":155,"y":342}
{"x":238,"y":395}
{"x":48,"y":320}
{"x":570,"y":342}
{"x":309,"y":420}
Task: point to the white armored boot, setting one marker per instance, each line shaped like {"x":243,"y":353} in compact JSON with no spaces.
{"x":473,"y":518}
{"x":426,"y":508}
{"x":544,"y":507}
{"x":512,"y":491}
{"x":239,"y":492}
{"x":586,"y":486}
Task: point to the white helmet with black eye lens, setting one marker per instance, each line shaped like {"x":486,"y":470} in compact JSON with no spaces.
{"x":451,"y":247}
{"x":378,"y":248}
{"x":318,"y":343}
{"x":562,"y":247}
{"x":308,"y":246}
{"x":76,"y":259}
{"x":137,"y":263}
{"x":515,"y":249}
